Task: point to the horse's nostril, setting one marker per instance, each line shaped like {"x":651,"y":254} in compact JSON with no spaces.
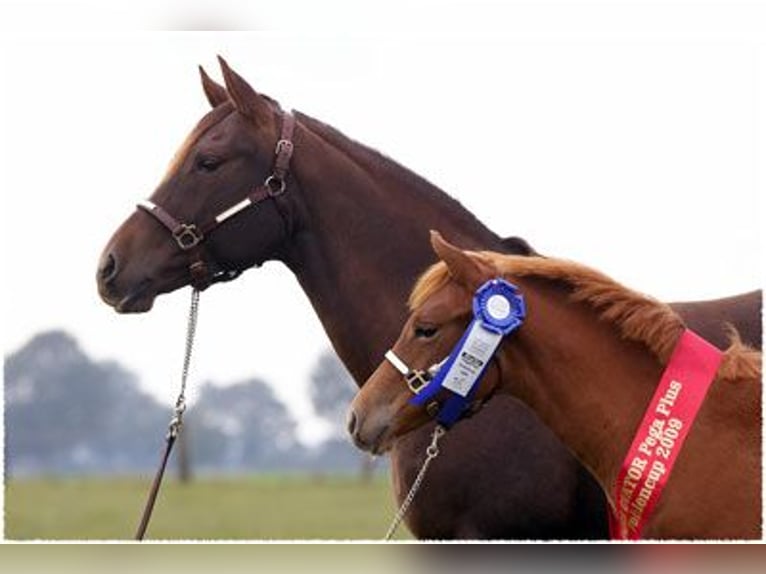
{"x":108,"y":268}
{"x":351,"y":422}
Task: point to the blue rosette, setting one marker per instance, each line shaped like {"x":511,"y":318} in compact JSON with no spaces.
{"x":499,"y":306}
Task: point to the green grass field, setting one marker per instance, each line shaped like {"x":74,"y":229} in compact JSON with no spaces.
{"x":241,"y":508}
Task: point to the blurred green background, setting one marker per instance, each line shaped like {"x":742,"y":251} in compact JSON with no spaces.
{"x":257,"y":507}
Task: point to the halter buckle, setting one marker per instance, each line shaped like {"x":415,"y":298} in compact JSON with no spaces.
{"x":284,"y":146}
{"x":187,"y":236}
{"x":416,"y":380}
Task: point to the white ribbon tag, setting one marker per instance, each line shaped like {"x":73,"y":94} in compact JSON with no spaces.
{"x":477,"y":350}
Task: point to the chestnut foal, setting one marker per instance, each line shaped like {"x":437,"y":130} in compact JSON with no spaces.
{"x":587,"y":360}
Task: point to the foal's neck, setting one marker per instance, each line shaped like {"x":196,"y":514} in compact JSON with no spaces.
{"x":588,"y":384}
{"x":362,"y":239}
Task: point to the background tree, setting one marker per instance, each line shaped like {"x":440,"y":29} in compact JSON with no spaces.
{"x":243,"y":425}
{"x":332,"y":389}
{"x":67,"y":413}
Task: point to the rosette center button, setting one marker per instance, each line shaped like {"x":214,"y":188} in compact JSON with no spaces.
{"x":498,"y":307}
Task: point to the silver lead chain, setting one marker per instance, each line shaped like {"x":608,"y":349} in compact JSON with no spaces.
{"x":431,"y":453}
{"x":177,"y":421}
{"x":174,"y":428}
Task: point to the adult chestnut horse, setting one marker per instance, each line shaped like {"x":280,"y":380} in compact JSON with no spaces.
{"x":352,"y":226}
{"x":587,"y":359}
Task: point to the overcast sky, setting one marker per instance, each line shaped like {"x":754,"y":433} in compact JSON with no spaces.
{"x":629,"y":137}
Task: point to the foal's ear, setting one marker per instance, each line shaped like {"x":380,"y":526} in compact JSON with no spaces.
{"x":215,"y":92}
{"x":463,"y":267}
{"x":245,"y":98}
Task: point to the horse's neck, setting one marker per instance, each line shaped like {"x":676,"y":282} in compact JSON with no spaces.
{"x":576,"y":372}
{"x":362,"y":240}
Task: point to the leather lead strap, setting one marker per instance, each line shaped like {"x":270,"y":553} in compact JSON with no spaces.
{"x":171,"y":439}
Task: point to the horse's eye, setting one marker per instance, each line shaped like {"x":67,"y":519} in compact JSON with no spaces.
{"x":425,"y":332}
{"x":208,"y":163}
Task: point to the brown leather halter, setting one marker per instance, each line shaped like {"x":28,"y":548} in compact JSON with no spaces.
{"x":189,"y":237}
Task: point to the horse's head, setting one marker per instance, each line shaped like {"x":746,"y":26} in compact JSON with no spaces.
{"x":228,"y":157}
{"x":441,"y":307}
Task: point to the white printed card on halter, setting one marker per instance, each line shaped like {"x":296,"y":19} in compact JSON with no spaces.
{"x":477,"y":350}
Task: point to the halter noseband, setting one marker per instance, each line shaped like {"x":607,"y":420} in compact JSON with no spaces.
{"x":190,"y":236}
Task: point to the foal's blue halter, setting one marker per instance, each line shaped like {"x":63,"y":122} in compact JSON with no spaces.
{"x":498,"y":310}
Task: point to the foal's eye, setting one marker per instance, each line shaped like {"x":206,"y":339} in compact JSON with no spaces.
{"x":208,"y":163}
{"x":425,"y":332}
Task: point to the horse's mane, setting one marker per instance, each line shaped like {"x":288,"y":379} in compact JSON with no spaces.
{"x":638,"y":317}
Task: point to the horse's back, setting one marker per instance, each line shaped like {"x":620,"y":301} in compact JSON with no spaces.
{"x":711,"y":319}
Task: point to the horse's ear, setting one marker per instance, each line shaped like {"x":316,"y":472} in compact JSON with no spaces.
{"x":245,"y":98}
{"x":463,"y":267}
{"x":215,"y":92}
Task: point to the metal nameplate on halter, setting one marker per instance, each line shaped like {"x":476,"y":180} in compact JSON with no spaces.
{"x":233,"y":210}
{"x":479,"y":346}
{"x":147,"y":204}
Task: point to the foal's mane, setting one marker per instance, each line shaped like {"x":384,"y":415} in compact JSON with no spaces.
{"x":638,"y":317}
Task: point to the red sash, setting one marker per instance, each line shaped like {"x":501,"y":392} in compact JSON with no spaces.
{"x":662,"y":433}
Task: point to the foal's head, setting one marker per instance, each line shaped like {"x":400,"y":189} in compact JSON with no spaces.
{"x":441,"y":310}
{"x":228,"y":153}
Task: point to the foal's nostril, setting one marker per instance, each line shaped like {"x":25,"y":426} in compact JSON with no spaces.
{"x":108,"y":268}
{"x":351,"y":422}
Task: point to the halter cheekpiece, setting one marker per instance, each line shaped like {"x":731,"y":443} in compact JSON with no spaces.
{"x":498,"y":310}
{"x":190,"y":236}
